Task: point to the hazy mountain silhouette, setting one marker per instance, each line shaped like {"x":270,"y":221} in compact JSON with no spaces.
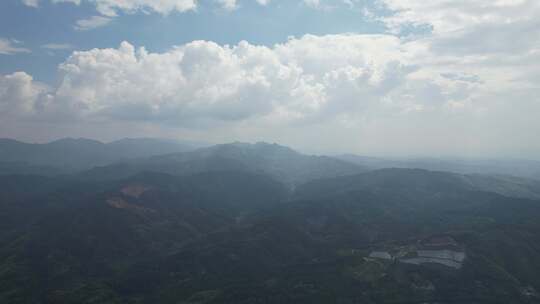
{"x":515,"y":167}
{"x":71,"y":154}
{"x":279,"y":162}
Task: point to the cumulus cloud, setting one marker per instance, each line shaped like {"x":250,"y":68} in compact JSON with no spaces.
{"x":446,"y":16}
{"x":306,"y":79}
{"x":9,"y":47}
{"x":458,"y":86}
{"x":20,"y":95}
{"x":496,"y":41}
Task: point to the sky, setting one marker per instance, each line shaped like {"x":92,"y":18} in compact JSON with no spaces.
{"x":431,"y":78}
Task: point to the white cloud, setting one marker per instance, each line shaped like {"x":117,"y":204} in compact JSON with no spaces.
{"x":111,"y":8}
{"x":313,"y":3}
{"x":310,"y":79}
{"x":496,"y":42}
{"x":92,"y":23}
{"x":461,"y":86}
{"x":76,"y":2}
{"x":307,"y":79}
{"x":20,"y":95}
{"x":9,"y":47}
{"x":446,"y":16}
{"x":228,"y":4}
{"x":31,"y":3}
{"x":57,"y":46}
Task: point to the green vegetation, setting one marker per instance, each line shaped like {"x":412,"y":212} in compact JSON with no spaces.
{"x":242,"y":236}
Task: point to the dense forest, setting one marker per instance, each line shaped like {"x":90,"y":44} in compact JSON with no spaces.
{"x":259,"y":223}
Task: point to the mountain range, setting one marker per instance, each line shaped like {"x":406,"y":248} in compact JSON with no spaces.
{"x":515,"y":167}
{"x":261,"y":223}
{"x":70,"y":154}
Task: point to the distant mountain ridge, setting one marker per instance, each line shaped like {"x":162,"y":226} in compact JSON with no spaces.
{"x":515,"y":167}
{"x":70,"y":154}
{"x":414,"y":179}
{"x":281,"y":163}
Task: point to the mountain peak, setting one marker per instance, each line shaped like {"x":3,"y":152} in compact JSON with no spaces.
{"x":258,"y":147}
{"x":79,"y":140}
